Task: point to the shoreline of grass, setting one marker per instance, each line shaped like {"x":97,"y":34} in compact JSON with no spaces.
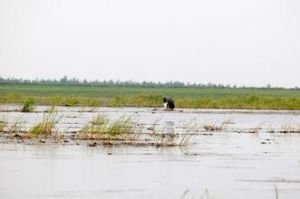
{"x":248,"y":103}
{"x":204,"y":98}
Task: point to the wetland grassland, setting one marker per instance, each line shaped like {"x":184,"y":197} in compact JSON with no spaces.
{"x":123,"y":96}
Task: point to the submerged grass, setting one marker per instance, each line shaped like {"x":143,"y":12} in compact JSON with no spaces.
{"x":214,"y":126}
{"x":289,"y":128}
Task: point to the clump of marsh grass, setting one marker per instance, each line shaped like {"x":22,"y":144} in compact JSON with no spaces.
{"x":256,"y":129}
{"x":45,"y":127}
{"x":123,"y":125}
{"x":71,"y":101}
{"x":2,"y":126}
{"x":102,"y":128}
{"x":98,"y":126}
{"x":214,"y":126}
{"x":289,"y":128}
{"x":27,"y":105}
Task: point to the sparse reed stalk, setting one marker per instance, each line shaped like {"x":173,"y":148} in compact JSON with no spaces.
{"x":214,"y":126}
{"x":154,"y":125}
{"x":289,"y":128}
{"x":257,"y":128}
{"x":187,"y":136}
{"x":15,"y":127}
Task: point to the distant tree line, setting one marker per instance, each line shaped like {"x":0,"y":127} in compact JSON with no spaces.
{"x":110,"y":83}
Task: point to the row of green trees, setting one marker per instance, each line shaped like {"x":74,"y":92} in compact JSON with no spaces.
{"x":110,"y":83}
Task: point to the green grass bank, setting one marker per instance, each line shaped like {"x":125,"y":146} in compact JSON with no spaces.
{"x":79,"y":95}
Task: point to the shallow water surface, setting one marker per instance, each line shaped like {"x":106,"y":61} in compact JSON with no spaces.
{"x":223,"y":164}
{"x":217,"y":166}
{"x":74,"y":118}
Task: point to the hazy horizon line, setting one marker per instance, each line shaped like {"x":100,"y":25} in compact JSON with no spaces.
{"x":85,"y":81}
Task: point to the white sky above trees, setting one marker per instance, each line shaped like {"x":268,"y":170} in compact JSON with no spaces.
{"x":251,"y":43}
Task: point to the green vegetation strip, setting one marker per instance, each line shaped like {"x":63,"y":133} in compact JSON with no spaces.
{"x":231,"y":98}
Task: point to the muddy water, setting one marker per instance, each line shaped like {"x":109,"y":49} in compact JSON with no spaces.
{"x":216,"y":165}
{"x":74,"y":118}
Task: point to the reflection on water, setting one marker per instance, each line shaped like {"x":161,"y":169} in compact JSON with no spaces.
{"x":169,"y":127}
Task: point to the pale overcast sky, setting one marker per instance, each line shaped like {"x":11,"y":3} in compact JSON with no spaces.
{"x":239,"y":42}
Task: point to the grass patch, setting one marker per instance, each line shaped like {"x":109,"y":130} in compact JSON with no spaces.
{"x":123,"y":131}
{"x":214,"y":126}
{"x":28,"y":105}
{"x":70,"y":101}
{"x":228,"y":98}
{"x":123,"y":125}
{"x":45,"y":127}
{"x":101,"y":127}
{"x":2,"y":126}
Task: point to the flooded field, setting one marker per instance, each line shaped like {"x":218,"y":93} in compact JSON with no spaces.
{"x":231,"y":154}
{"x":72,"y":119}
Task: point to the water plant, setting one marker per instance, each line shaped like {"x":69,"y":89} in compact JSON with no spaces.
{"x":210,"y":126}
{"x":123,"y":125}
{"x":101,"y":127}
{"x":45,"y":127}
{"x":28,"y":105}
{"x":289,"y":128}
{"x":256,"y":129}
{"x":2,"y":125}
{"x":271,"y":129}
{"x":187,"y":136}
{"x":14,"y":127}
{"x":51,"y":109}
{"x":71,"y":101}
{"x":98,"y":125}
